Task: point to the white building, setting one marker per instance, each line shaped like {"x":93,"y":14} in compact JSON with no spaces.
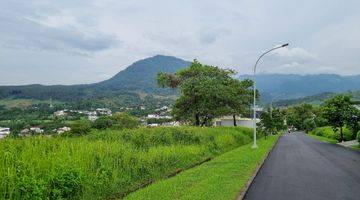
{"x":4,"y":131}
{"x":357,"y":106}
{"x":174,"y":123}
{"x":156,"y":116}
{"x":31,"y":131}
{"x":36,"y":129}
{"x":229,"y":121}
{"x":60,"y":113}
{"x":62,"y":130}
{"x":103,"y":111}
{"x":92,"y":116}
{"x":153,"y":125}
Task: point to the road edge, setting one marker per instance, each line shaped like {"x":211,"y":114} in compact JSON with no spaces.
{"x":245,"y":189}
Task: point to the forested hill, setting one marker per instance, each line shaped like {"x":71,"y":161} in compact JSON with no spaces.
{"x":141,"y":76}
{"x":314,"y":99}
{"x":291,"y":86}
{"x":137,"y":78}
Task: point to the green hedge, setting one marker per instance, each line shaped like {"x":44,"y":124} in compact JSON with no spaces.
{"x":328,"y":132}
{"x":106,"y":163}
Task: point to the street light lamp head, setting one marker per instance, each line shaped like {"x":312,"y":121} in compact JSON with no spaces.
{"x":285,"y":45}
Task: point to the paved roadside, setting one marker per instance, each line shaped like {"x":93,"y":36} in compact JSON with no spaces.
{"x":300,"y":167}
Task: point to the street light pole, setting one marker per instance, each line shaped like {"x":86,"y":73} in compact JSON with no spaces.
{"x":254,"y":88}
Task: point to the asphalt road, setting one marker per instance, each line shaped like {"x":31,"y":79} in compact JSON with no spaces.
{"x":300,"y":167}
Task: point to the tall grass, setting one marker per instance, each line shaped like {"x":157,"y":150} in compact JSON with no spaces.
{"x":105,"y":163}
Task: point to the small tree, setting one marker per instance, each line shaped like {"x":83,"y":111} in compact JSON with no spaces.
{"x":271,"y":121}
{"x":103,"y":122}
{"x":338,"y":111}
{"x":309,"y":125}
{"x":266,"y":123}
{"x":353,"y":122}
{"x":80,"y":127}
{"x":117,"y":121}
{"x":124,"y":121}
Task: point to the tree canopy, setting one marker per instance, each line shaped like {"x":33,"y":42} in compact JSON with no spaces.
{"x":206,"y":92}
{"x":339,"y":111}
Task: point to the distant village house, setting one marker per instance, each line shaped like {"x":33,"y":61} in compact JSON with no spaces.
{"x":4,"y":131}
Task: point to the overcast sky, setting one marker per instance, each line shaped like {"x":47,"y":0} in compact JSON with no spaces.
{"x":73,"y":41}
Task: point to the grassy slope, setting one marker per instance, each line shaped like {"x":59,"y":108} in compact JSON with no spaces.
{"x":221,"y":178}
{"x":324,"y":139}
{"x":357,"y":147}
{"x":22,"y":103}
{"x":106,"y":163}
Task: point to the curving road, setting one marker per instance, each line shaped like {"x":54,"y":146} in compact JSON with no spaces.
{"x":300,"y":167}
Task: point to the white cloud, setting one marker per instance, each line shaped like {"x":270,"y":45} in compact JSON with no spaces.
{"x":90,"y":40}
{"x":296,"y":53}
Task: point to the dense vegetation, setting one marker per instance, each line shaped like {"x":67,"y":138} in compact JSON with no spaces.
{"x":271,"y":121}
{"x":337,"y":112}
{"x":105,"y":163}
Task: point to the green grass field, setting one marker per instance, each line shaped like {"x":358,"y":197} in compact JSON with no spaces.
{"x":22,"y":103}
{"x":220,"y":178}
{"x":356,"y":147}
{"x":107,"y":163}
{"x":328,"y":132}
{"x":324,"y":139}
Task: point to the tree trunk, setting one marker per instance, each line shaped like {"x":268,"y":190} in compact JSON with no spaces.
{"x":341,"y":134}
{"x":197,"y":120}
{"x":234,"y":118}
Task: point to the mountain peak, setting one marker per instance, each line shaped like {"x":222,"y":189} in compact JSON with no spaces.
{"x":142,"y":74}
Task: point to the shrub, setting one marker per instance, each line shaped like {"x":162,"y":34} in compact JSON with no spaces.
{"x":118,"y":121}
{"x":67,"y":184}
{"x":358,"y":137}
{"x":81,"y":127}
{"x":309,"y":125}
{"x":328,"y":132}
{"x":124,"y":121}
{"x":103,"y":122}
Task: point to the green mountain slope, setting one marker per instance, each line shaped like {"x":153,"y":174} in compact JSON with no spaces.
{"x":137,"y":78}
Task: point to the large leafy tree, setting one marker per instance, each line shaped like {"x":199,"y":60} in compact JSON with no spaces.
{"x":206,"y":92}
{"x":339,"y":111}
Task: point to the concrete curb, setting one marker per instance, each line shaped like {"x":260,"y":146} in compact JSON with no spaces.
{"x":244,"y":190}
